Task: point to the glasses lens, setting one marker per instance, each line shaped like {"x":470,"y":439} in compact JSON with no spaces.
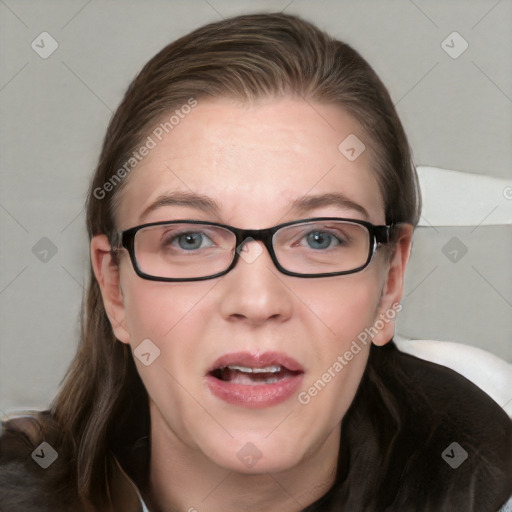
{"x":322,"y":247}
{"x":183,"y":250}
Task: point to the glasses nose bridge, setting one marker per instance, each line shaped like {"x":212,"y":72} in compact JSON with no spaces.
{"x":262,"y":235}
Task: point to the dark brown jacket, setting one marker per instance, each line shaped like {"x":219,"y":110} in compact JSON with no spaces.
{"x":397,"y":449}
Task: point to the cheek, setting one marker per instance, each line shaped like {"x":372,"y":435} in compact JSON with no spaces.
{"x":175,"y":318}
{"x":345,"y":305}
{"x":155,"y":310}
{"x":171,"y":316}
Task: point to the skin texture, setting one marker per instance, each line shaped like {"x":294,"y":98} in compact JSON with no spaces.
{"x":253,"y":160}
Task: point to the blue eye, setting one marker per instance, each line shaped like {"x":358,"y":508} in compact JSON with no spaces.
{"x":321,"y":240}
{"x":189,"y":241}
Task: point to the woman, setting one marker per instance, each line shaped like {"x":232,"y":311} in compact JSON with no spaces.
{"x":250,"y":219}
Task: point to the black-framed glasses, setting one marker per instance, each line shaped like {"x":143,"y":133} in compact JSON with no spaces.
{"x":194,"y":250}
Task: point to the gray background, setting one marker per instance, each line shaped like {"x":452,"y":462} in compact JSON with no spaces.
{"x":54,"y":112}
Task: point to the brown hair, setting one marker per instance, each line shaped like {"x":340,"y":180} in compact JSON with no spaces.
{"x":247,"y":57}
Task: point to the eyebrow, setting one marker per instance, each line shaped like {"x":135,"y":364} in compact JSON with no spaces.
{"x":300,"y":206}
{"x":187,"y":199}
{"x":305,"y":204}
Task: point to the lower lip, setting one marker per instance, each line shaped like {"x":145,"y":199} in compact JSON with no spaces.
{"x":258,"y":396}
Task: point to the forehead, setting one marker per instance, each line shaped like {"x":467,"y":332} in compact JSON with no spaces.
{"x":253,"y":161}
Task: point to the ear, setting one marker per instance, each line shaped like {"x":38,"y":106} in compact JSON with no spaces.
{"x":392,"y":291}
{"x":106,"y":271}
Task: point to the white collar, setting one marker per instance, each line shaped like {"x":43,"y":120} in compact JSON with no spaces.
{"x":144,"y":506}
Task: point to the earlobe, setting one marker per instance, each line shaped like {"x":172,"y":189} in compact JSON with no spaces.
{"x":106,"y":271}
{"x":392,"y":292}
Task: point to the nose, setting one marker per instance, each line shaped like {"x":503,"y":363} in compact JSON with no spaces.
{"x":255,"y":291}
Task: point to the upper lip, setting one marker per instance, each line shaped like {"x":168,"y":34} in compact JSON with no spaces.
{"x":257,"y":360}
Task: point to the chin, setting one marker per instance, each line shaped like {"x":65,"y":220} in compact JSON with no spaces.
{"x":252,"y":455}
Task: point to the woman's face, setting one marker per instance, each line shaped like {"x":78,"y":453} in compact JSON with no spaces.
{"x":253,"y":162}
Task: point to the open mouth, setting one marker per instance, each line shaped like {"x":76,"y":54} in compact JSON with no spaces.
{"x":254,"y":380}
{"x":252,"y":376}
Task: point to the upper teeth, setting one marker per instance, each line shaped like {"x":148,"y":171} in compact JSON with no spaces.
{"x":266,"y":369}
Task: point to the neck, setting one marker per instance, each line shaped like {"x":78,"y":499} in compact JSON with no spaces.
{"x":184,"y":480}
